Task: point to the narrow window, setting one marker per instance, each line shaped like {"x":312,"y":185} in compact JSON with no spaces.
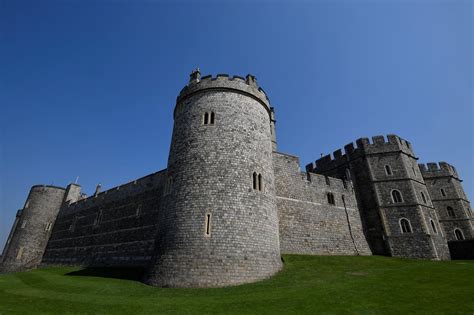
{"x":423,"y":197}
{"x":331,"y":200}
{"x":396,"y":196}
{"x":450,"y":212}
{"x":459,"y":235}
{"x":208,"y":225}
{"x":405,"y":225}
{"x":138,"y":212}
{"x":443,"y":193}
{"x":23,"y":224}
{"x":48,"y":226}
{"x":212,"y":118}
{"x":98,"y":218}
{"x":168,"y":186}
{"x":27,"y":204}
{"x":206,"y":118}
{"x":433,"y":226}
{"x":388,"y":170}
{"x":413,"y":169}
{"x":327,"y":180}
{"x":20,"y":253}
{"x":254,"y":180}
{"x":260,"y":184}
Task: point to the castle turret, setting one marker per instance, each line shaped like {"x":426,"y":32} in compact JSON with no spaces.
{"x":449,"y":199}
{"x":32,"y":228}
{"x":219,"y":224}
{"x":398,"y":216}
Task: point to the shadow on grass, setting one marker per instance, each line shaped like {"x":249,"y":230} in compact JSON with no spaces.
{"x":125,"y":273}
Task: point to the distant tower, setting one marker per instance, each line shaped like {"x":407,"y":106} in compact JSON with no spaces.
{"x":219,"y":224}
{"x":398,"y":216}
{"x":30,"y":233}
{"x":449,"y":199}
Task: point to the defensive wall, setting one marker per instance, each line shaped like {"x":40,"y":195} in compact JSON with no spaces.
{"x":309,"y":224}
{"x":114,"y":227}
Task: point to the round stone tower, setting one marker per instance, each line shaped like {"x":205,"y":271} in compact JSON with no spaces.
{"x":219,"y":223}
{"x":27,"y":241}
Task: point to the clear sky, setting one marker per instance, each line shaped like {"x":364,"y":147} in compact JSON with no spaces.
{"x":88,"y":87}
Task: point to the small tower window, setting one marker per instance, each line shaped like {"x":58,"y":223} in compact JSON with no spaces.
{"x":450,"y":212}
{"x":168,"y":186}
{"x":138,"y":212}
{"x":388,"y":170}
{"x":396,"y":196}
{"x":23,"y":224}
{"x":458,"y":234}
{"x":423,"y":197}
{"x":208,"y":118}
{"x":331,"y":199}
{"x":405,"y":225}
{"x":348,"y":174}
{"x":207,"y":225}
{"x":443,"y":193}
{"x":257,"y":181}
{"x":433,"y":226}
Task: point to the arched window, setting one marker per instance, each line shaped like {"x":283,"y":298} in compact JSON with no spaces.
{"x":443,"y":193}
{"x":206,"y":118}
{"x":423,"y":197}
{"x":212,"y":118}
{"x":433,"y":226}
{"x":396,"y":196}
{"x":405,"y":226}
{"x":459,"y":235}
{"x":331,"y":199}
{"x":388,"y":170}
{"x":450,"y":212}
{"x":257,"y":181}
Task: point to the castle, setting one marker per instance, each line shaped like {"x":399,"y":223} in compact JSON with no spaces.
{"x":229,"y":204}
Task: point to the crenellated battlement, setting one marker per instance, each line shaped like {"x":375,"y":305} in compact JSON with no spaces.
{"x":363,"y":146}
{"x":247,"y":85}
{"x":146,"y":183}
{"x":441,"y":169}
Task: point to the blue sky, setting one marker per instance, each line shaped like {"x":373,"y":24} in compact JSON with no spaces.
{"x":88,"y":87}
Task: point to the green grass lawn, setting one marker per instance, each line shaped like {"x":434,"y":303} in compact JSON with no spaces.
{"x":307,"y":284}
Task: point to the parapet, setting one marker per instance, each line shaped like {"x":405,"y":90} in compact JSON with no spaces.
{"x":441,"y":169}
{"x":150,"y":182}
{"x":247,"y":85}
{"x":363,"y":147}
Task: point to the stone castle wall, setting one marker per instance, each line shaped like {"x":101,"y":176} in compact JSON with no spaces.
{"x":115,"y":227}
{"x":308,"y":223}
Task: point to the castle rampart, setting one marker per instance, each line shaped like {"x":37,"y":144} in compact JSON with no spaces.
{"x":318,"y":215}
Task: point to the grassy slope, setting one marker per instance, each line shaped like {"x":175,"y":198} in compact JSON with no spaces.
{"x":307,"y":284}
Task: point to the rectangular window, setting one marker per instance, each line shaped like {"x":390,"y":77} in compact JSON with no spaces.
{"x":48,"y":226}
{"x":208,"y":225}
{"x":23,"y":224}
{"x":443,"y":192}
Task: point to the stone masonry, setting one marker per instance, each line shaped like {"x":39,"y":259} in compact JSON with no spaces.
{"x":229,"y":204}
